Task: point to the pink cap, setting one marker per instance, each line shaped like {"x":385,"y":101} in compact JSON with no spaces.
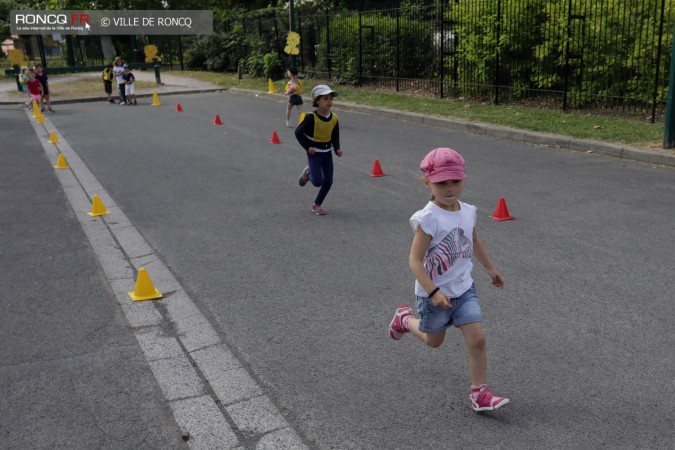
{"x":443,"y":164}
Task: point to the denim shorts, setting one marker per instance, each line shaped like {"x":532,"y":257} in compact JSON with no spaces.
{"x":465,"y":309}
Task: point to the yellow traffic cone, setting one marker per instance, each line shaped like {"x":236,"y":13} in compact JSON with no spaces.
{"x":36,"y":109}
{"x":53,"y":139}
{"x":272,"y":89}
{"x":61,"y":163}
{"x":155,"y":99}
{"x":144,"y":288}
{"x":41,"y":118}
{"x":302,"y":117}
{"x":97,"y":207}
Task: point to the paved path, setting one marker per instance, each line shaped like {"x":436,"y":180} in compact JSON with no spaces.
{"x":576,"y":338}
{"x":170,"y":84}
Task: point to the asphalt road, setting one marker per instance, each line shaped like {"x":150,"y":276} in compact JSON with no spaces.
{"x":580,"y":338}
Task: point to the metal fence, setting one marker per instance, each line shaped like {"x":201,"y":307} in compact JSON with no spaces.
{"x":611,"y":54}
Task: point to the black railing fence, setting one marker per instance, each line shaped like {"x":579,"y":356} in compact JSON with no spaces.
{"x":612,"y":54}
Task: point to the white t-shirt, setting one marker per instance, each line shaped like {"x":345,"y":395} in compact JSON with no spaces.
{"x":118,"y":72}
{"x":448,"y":259}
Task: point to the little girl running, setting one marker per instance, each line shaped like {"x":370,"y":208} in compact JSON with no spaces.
{"x":440,"y":259}
{"x":294,"y":93}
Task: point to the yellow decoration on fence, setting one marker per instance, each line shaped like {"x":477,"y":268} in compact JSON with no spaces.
{"x":16,"y":57}
{"x":151,"y":52}
{"x":292,"y":42}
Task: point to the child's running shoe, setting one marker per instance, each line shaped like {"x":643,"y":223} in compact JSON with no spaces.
{"x":487,"y":401}
{"x":396,"y":328}
{"x":318,"y":210}
{"x":50,"y":109}
{"x":304,"y":176}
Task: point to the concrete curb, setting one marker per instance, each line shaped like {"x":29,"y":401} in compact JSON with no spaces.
{"x":529,"y":137}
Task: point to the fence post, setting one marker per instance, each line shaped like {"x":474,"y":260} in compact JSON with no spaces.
{"x":302,"y":41}
{"x":658,"y":61}
{"x":669,"y":133}
{"x":17,"y":72}
{"x":328,"y":58}
{"x":567,"y":68}
{"x":398,"y":47}
{"x":158,"y":78}
{"x":360,"y":49}
{"x":180,"y":52}
{"x":291,"y":28}
{"x":276,"y":38}
{"x":441,"y":23}
{"x":499,"y":21}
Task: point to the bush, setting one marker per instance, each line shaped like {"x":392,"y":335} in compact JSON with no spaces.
{"x":217,"y":52}
{"x":263,"y":63}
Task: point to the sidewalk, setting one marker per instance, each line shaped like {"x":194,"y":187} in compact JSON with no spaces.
{"x":171,"y":84}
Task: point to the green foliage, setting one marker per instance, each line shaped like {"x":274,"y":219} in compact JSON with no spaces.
{"x":497,"y":42}
{"x":217,"y":52}
{"x":263,"y":63}
{"x":384,"y":53}
{"x":607,"y":49}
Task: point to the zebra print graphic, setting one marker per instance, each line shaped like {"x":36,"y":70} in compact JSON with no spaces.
{"x":440,"y":258}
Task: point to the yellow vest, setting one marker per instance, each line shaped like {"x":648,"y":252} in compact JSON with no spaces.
{"x":107,"y":75}
{"x":322,"y":129}
{"x":298,"y":87}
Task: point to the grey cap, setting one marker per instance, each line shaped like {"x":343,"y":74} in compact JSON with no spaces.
{"x":322,"y":89}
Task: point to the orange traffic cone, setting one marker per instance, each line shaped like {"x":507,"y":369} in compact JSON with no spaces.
{"x":275,"y":138}
{"x":502,"y":212}
{"x":377,"y":170}
{"x":217,"y":121}
{"x":179,"y":108}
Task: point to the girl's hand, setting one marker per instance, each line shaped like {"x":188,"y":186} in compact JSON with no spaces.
{"x":338,"y":152}
{"x":440,"y":300}
{"x":311,"y":151}
{"x":497,"y":279}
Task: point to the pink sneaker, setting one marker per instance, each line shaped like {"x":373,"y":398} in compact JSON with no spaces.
{"x":318,"y":210}
{"x":487,"y":401}
{"x":396,"y":328}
